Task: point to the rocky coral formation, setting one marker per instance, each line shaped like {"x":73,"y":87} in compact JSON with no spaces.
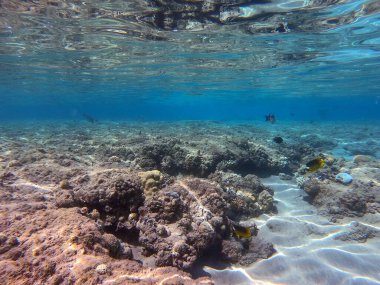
{"x":61,"y":246}
{"x":112,"y":197}
{"x":188,"y":218}
{"x":174,"y":226}
{"x":344,"y":199}
{"x":245,"y":253}
{"x":175,"y":156}
{"x":106,"y":231}
{"x":190,"y":152}
{"x":358,"y":232}
{"x":247,"y":196}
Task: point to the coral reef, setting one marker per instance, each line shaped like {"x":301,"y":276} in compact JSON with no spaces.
{"x":248,"y":252}
{"x":339,"y":194}
{"x":61,"y":246}
{"x":247,"y":196}
{"x":175,"y":156}
{"x":174,"y":225}
{"x":147,"y":204}
{"x":112,"y":197}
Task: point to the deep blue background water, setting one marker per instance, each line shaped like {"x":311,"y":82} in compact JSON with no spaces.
{"x":201,"y":108}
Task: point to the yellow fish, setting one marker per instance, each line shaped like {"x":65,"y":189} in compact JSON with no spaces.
{"x":241,"y":232}
{"x":315,"y":164}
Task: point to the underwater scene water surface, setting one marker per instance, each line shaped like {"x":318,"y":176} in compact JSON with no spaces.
{"x":190,"y":142}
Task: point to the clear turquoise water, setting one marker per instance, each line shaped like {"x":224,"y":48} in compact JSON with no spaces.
{"x":58,"y":61}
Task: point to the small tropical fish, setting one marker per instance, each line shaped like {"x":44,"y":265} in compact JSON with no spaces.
{"x":240,"y":231}
{"x":315,"y":164}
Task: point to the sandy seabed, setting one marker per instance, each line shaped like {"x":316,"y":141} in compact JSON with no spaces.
{"x":323,"y":231}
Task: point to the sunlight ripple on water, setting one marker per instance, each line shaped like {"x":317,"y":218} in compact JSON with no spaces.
{"x":234,"y":46}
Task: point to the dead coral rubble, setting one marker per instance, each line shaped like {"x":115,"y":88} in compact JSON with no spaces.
{"x":246,"y":195}
{"x":85,"y":211}
{"x":61,"y":246}
{"x":175,"y":156}
{"x":175,"y":224}
{"x":111,"y":197}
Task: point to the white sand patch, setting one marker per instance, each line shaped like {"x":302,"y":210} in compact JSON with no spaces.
{"x":25,"y":184}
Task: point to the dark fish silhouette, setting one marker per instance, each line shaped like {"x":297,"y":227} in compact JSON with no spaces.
{"x":278,"y":139}
{"x":89,"y":118}
{"x":270,"y":118}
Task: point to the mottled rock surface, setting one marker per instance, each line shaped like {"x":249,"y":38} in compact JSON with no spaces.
{"x":101,"y":226}
{"x":40,"y":244}
{"x":339,"y":200}
{"x":358,"y":232}
{"x":246,"y":195}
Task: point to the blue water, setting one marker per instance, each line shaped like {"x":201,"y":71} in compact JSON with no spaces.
{"x":199,"y":108}
{"x":57,"y":64}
